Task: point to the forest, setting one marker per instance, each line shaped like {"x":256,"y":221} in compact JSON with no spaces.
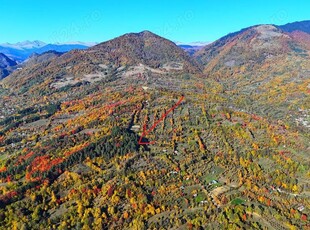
{"x":80,"y":164}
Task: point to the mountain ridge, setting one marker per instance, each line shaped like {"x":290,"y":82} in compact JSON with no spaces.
{"x":24,"y":45}
{"x":6,"y":65}
{"x":129,"y":50}
{"x":249,"y":62}
{"x":22,"y":50}
{"x":259,"y":40}
{"x":148,"y":50}
{"x":303,"y":26}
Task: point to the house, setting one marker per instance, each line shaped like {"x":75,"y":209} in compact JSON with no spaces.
{"x":213,"y":182}
{"x":135,"y":128}
{"x":300,"y":208}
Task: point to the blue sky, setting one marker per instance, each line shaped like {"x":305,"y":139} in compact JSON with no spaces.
{"x":177,"y":20}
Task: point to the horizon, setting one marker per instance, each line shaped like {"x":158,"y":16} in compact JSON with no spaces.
{"x":193,"y":43}
{"x":92,"y":43}
{"x":63,"y":22}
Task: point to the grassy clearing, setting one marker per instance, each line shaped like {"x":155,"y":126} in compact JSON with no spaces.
{"x":237,"y":201}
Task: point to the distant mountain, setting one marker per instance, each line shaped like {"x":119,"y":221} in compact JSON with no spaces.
{"x":191,"y":50}
{"x":24,"y":45}
{"x":192,"y":44}
{"x":193,"y":47}
{"x":88,"y":44}
{"x":6,"y":65}
{"x":18,"y":55}
{"x":303,"y":26}
{"x":6,"y":62}
{"x":22,"y":50}
{"x":40,"y":58}
{"x":60,"y":48}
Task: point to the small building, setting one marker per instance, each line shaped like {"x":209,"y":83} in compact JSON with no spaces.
{"x":300,"y":208}
{"x":135,"y":128}
{"x":213,"y":182}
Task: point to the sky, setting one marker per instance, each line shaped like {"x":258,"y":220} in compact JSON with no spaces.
{"x":178,"y":20}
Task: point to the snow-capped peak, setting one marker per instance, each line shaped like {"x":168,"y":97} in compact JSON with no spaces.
{"x":77,"y":43}
{"x":24,"y":45}
{"x":192,"y":43}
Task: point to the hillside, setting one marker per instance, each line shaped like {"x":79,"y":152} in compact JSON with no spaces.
{"x":40,"y":58}
{"x":6,"y":65}
{"x":263,"y":70}
{"x":148,"y":49}
{"x":125,"y":56}
{"x":253,"y":45}
{"x":129,"y":134}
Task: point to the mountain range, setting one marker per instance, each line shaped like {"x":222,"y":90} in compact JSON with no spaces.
{"x":115,"y":56}
{"x":13,"y":55}
{"x":22,"y":50}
